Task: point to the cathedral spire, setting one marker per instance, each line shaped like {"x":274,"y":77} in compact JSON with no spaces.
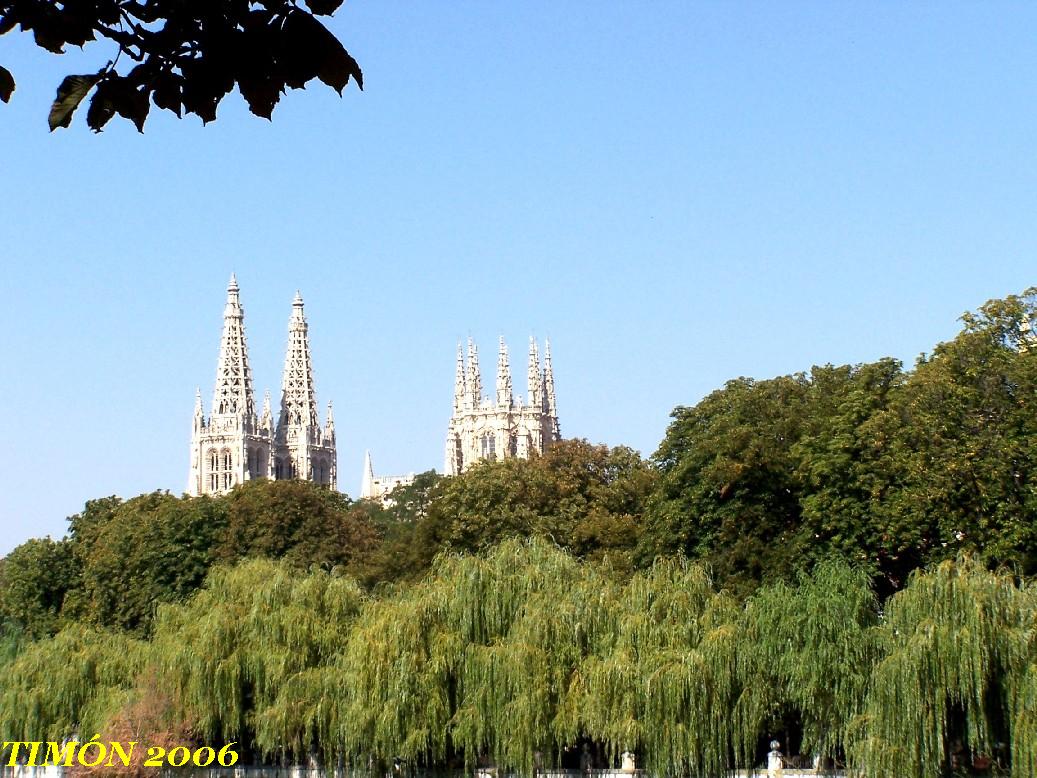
{"x":533,"y":376}
{"x":298,"y":397}
{"x":266,"y":421}
{"x":459,"y":380}
{"x":549,"y":391}
{"x":233,"y":392}
{"x":199,"y":414}
{"x":301,"y":449}
{"x":474,"y":383}
{"x":329,"y":427}
{"x":503,"y":377}
{"x":367,"y":482}
{"x":549,"y":380}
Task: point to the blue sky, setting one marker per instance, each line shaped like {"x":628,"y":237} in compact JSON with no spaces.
{"x":677,"y":193}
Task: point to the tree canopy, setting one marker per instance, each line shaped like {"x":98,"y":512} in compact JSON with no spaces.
{"x":184,"y":57}
{"x":524,"y":648}
{"x":845,"y":555}
{"x":891,"y":468}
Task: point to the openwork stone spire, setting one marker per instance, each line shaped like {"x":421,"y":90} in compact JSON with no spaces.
{"x":302,"y":449}
{"x":460,"y":389}
{"x":266,"y":421}
{"x":233,"y":446}
{"x":533,"y":377}
{"x":474,"y":376}
{"x":233,"y":392}
{"x":504,"y":397}
{"x":329,"y":426}
{"x":228,"y":448}
{"x":551,"y":407}
{"x":298,"y":398}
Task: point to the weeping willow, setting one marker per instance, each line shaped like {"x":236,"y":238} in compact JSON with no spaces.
{"x":71,"y":683}
{"x":664,"y":680}
{"x":525,"y":650}
{"x":958,"y":646}
{"x":478,"y":660}
{"x":240,"y":657}
{"x":1023,"y":685}
{"x":810,"y":648}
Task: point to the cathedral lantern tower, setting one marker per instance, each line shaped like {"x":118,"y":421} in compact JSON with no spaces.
{"x":302,"y":449}
{"x":232,"y":445}
{"x":502,"y":426}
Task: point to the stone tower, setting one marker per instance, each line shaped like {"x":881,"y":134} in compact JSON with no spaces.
{"x":499,"y":427}
{"x":302,"y":449}
{"x":235,"y":445}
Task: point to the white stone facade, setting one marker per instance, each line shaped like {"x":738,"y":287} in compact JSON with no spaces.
{"x":502,"y":426}
{"x":235,"y":445}
{"x":379,"y":487}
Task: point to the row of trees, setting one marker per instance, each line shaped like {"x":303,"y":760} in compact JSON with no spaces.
{"x":121,"y":559}
{"x":891,"y":468}
{"x":763,"y":484}
{"x":526,"y":650}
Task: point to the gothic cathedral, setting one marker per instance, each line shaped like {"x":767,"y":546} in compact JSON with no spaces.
{"x":234,"y":444}
{"x":484,"y":428}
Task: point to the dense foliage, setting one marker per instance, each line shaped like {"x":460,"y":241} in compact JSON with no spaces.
{"x":123,"y":559}
{"x":889,"y":468}
{"x":526,"y":649}
{"x":842,"y":558}
{"x":186,"y":55}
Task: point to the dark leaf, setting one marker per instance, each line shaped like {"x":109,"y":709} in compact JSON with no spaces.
{"x":6,"y":84}
{"x":299,"y":58}
{"x":167,"y":92}
{"x":120,"y":95}
{"x":259,"y":79}
{"x":338,"y":67}
{"x":48,"y":36}
{"x":205,"y":83}
{"x":76,"y":23}
{"x":100,"y":112}
{"x":323,"y":7}
{"x":261,"y":94}
{"x":7,"y":23}
{"x":310,"y":50}
{"x":133,"y":104}
{"x":71,"y":92}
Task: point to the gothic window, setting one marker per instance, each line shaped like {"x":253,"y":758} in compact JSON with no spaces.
{"x":225,"y":476}
{"x":458,"y":453}
{"x":488,"y":444}
{"x":214,"y":465}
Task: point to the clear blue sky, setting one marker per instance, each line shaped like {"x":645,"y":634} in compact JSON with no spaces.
{"x":677,"y":193}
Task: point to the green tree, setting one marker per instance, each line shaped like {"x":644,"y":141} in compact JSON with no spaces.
{"x":186,"y":55}
{"x":850,"y":462}
{"x":959,"y":663}
{"x":584,"y":497}
{"x":152,"y":549}
{"x":968,"y":444}
{"x":299,"y":521}
{"x":71,"y":683}
{"x":244,"y":655}
{"x":34,"y":581}
{"x":730,"y":488}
